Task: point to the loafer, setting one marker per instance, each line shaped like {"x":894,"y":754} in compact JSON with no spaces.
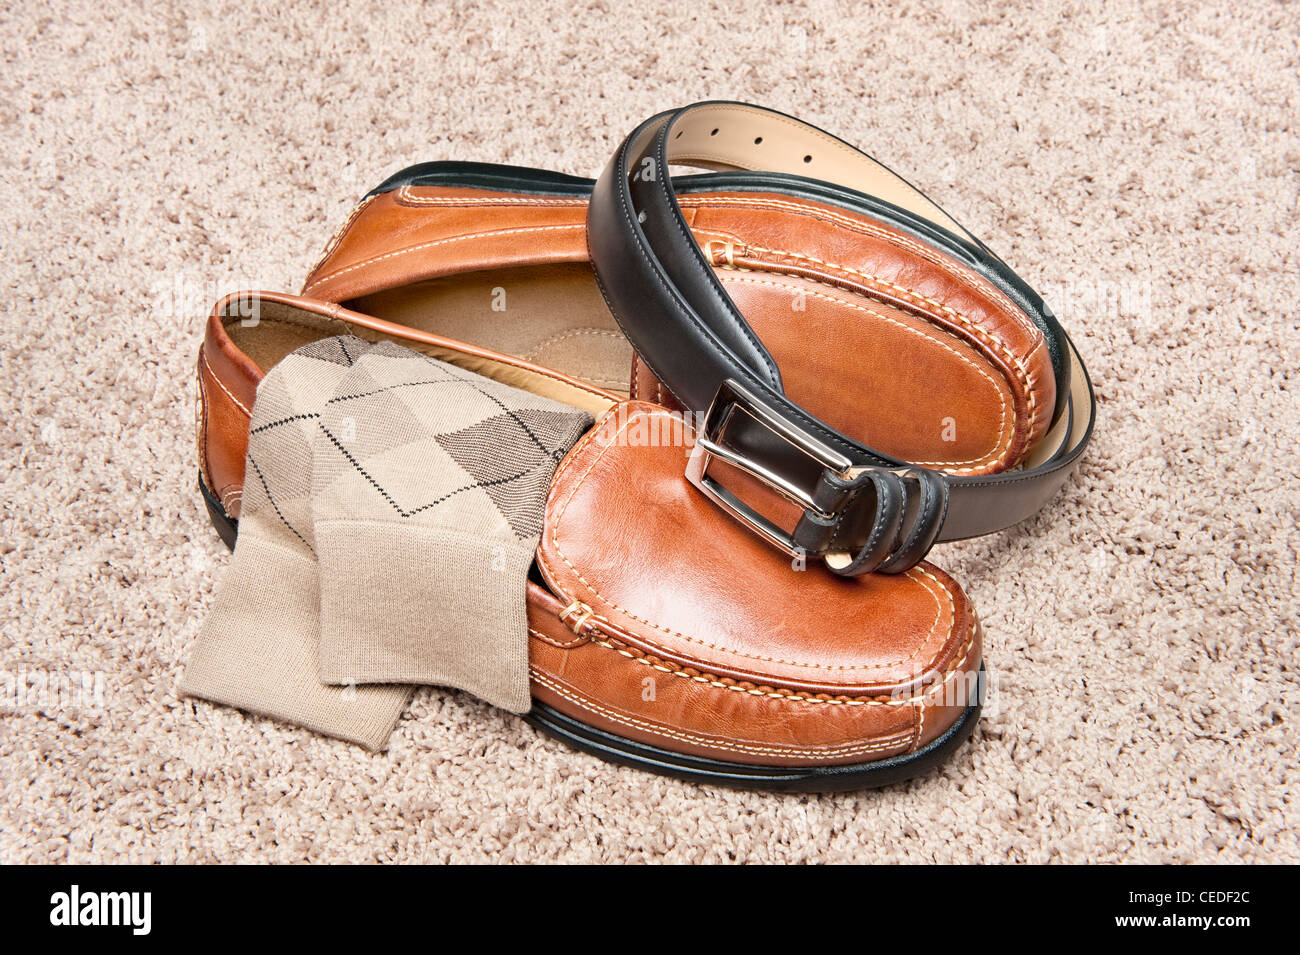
{"x":890,"y":341}
{"x":663,"y":635}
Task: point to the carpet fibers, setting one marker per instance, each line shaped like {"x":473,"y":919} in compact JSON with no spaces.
{"x":1138,"y":163}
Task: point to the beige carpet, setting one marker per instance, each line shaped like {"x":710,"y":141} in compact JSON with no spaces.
{"x":1140,"y":166}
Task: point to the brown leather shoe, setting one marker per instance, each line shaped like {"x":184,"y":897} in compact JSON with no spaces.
{"x":898,"y":346}
{"x":663,"y":634}
{"x":862,"y":370}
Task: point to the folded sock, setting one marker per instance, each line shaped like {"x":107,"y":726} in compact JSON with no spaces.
{"x":429,"y":485}
{"x":258,"y":650}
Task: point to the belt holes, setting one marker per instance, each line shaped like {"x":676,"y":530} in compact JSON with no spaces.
{"x":807,"y":158}
{"x":758,"y":141}
{"x":714,"y":133}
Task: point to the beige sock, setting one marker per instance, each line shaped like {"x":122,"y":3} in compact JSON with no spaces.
{"x":259,"y":647}
{"x":429,"y":488}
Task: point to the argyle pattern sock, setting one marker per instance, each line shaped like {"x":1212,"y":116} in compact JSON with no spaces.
{"x":429,"y":485}
{"x":259,"y":647}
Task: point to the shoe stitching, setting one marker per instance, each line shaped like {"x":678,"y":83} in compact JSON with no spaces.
{"x":437,"y":242}
{"x":993,"y":341}
{"x":333,"y":243}
{"x":705,"y":678}
{"x":857,"y":225}
{"x":711,"y":743}
{"x":555,"y":542}
{"x":541,"y":557}
{"x":546,"y":638}
{"x":201,"y":422}
{"x":1005,"y":434}
{"x":407,"y":198}
{"x":532,"y":353}
{"x":222,"y":385}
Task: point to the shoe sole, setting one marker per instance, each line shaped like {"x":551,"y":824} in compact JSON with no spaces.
{"x":803,"y":779}
{"x":696,"y":769}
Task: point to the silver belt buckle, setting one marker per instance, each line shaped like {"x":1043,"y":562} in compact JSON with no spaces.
{"x":735,"y":399}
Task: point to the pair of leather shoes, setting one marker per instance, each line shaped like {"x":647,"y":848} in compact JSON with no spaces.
{"x":861,"y":372}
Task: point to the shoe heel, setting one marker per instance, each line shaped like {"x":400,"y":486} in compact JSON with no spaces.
{"x":227,"y":527}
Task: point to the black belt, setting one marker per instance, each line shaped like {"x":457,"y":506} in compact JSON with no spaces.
{"x":862,"y":510}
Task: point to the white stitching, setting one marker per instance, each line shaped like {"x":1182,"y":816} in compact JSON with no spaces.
{"x":1005,"y":435}
{"x":222,"y":385}
{"x":408,"y":198}
{"x":576,"y":453}
{"x":868,"y":228}
{"x":978,"y":330}
{"x":338,"y":235}
{"x":798,"y":696}
{"x":437,"y":242}
{"x":201,"y":425}
{"x":532,"y":353}
{"x":545,"y":638}
{"x":705,"y":742}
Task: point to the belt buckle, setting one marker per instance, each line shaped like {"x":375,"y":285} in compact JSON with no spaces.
{"x":736,"y":405}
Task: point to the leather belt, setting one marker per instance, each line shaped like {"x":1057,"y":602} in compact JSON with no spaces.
{"x":861,"y":510}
